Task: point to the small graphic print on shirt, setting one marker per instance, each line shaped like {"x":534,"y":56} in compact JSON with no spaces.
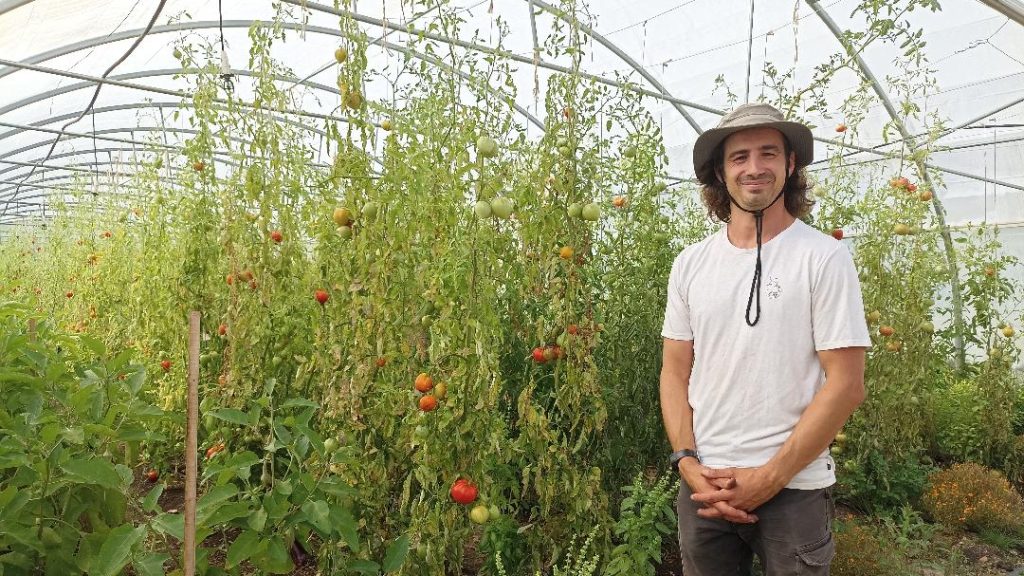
{"x":774,"y":289}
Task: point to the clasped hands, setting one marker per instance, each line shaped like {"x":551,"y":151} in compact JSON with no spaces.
{"x":729,"y":493}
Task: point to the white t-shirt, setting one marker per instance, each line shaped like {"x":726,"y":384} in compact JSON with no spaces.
{"x":750,"y":385}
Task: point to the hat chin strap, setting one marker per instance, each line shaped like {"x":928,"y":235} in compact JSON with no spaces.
{"x":755,"y":285}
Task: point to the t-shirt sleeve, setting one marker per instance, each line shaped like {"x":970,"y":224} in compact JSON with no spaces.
{"x":837,"y":312}
{"x":677,"y":311}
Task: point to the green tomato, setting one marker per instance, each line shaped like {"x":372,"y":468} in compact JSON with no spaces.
{"x":479,"y":514}
{"x":330,"y":445}
{"x":345,"y":232}
{"x":482,"y":209}
{"x":591,"y":212}
{"x":370,"y":210}
{"x":575,"y":210}
{"x":289,"y":421}
{"x":486,"y":146}
{"x":502,"y":207}
{"x":493,"y":513}
{"x":660,"y":187}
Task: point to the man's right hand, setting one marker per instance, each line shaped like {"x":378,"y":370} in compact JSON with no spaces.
{"x":691,"y":471}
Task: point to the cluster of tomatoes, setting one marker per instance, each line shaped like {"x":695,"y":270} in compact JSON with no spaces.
{"x":542,"y":354}
{"x":432,"y":393}
{"x":465,"y":492}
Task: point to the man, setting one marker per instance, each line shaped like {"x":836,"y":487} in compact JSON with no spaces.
{"x":753,"y":392}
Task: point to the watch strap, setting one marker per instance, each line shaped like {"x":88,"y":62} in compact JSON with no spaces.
{"x":675,"y":457}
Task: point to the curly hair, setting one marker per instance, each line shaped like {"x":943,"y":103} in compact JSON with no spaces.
{"x":716,"y":195}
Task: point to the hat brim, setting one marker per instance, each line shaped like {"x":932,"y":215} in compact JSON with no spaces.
{"x":799,"y":136}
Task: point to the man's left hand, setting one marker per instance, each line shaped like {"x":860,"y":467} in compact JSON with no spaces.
{"x":753,"y":487}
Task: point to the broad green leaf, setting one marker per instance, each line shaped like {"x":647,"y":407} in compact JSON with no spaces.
{"x":346,"y":525}
{"x":170,"y":524}
{"x":395,"y":556}
{"x":93,"y":344}
{"x":293,"y":402}
{"x":243,"y":548}
{"x":151,"y":502}
{"x":93,"y":471}
{"x":116,"y":550}
{"x":151,"y":564}
{"x":318,"y":513}
{"x":276,"y":559}
{"x":231,"y":415}
{"x":258,"y":519}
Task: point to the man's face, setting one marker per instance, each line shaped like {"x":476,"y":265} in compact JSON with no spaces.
{"x":754,"y":166}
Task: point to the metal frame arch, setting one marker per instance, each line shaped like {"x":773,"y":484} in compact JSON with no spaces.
{"x":202,"y":25}
{"x":937,"y":207}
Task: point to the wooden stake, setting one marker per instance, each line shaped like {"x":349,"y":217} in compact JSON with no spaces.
{"x":32,"y":329}
{"x":191,"y":444}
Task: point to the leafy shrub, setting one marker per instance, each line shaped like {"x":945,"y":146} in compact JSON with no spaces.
{"x":863,"y":550}
{"x":972,"y":496}
{"x":878,"y":483}
{"x":577,"y":561}
{"x":959,"y":422}
{"x":646,"y":516}
{"x":72,"y":419}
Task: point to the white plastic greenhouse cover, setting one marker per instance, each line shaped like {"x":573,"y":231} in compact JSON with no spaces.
{"x":976,"y":50}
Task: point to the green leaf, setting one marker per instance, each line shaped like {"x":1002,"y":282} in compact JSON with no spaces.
{"x":135,"y":381}
{"x":318,"y":513}
{"x":293,"y":402}
{"x":346,"y":526}
{"x":258,"y":519}
{"x":395,"y":556}
{"x":231,"y":415}
{"x":170,"y":524}
{"x":276,"y":560}
{"x":93,"y":471}
{"x":116,"y":550}
{"x":150,"y":502}
{"x":365,"y":566}
{"x":243,"y":548}
{"x":93,"y":344}
{"x":151,"y":565}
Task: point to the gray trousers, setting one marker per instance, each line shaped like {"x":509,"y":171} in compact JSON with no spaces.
{"x":792,"y":537}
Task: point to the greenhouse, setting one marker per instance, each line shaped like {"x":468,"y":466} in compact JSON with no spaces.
{"x":507,"y":287}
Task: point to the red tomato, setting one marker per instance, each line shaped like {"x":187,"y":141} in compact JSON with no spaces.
{"x":837,"y":233}
{"x":322,"y":296}
{"x":463,"y":491}
{"x":538,"y":355}
{"x":222,"y":329}
{"x":276,"y":236}
{"x":166,"y":365}
{"x":152,"y":476}
{"x":424,"y":383}
{"x":573,"y":329}
{"x":428,"y":403}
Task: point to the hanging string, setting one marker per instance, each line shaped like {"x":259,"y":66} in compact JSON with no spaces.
{"x":750,"y":52}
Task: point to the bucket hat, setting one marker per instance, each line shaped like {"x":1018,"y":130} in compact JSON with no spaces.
{"x":755,"y":115}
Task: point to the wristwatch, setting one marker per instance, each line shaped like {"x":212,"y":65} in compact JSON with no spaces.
{"x":673,"y":460}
